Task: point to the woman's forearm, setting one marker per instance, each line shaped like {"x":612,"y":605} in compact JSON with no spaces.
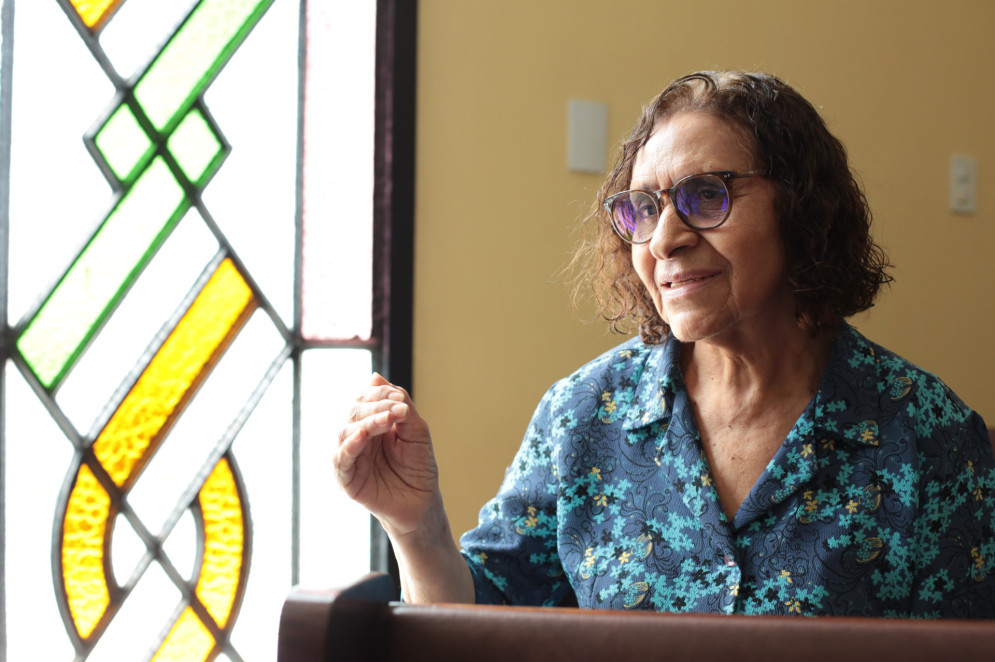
{"x":431,"y":567}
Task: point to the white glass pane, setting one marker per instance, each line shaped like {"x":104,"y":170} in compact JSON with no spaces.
{"x":57,"y":194}
{"x":127,"y":549}
{"x":126,"y":337}
{"x":263,"y":451}
{"x":181,"y":546}
{"x":37,"y":457}
{"x":143,"y":616}
{"x":138,"y":30}
{"x":253,"y":196}
{"x":193,"y":440}
{"x":335,"y":532}
{"x":338,"y":170}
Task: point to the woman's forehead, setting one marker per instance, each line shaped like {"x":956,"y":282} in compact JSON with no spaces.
{"x":688,"y":143}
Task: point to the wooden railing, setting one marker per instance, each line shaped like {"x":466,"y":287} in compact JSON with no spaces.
{"x":365,"y":623}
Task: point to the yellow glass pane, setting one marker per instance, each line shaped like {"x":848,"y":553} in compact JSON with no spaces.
{"x":223,"y":543}
{"x":188,"y":641}
{"x":173,"y":373}
{"x":84,"y":529}
{"x":94,"y":12}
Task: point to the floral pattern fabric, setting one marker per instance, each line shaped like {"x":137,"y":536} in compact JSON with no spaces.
{"x":880,"y":502}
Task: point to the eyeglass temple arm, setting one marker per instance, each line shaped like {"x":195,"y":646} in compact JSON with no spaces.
{"x":747,"y":173}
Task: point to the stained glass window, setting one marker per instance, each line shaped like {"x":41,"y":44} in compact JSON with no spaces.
{"x":190,"y":295}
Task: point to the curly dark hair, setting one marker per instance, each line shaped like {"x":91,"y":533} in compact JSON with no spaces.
{"x":834,"y":267}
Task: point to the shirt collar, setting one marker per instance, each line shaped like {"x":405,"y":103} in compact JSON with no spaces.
{"x":661,"y":377}
{"x":851,"y":379}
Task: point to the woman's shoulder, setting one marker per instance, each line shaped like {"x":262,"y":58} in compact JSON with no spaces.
{"x":608,"y":387}
{"x":620,"y":367}
{"x":895,"y":375}
{"x":627,"y":361}
{"x":918,"y":398}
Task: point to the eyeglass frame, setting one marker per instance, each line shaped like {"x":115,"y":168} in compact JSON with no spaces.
{"x":725,"y":176}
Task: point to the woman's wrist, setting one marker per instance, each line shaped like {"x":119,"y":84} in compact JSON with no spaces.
{"x":430,"y":564}
{"x":426,"y":529}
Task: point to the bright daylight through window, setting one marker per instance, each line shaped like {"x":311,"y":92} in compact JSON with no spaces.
{"x":186,"y":230}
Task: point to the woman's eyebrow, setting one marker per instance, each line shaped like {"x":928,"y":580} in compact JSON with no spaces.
{"x":644,"y":184}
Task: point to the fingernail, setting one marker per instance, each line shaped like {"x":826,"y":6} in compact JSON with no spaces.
{"x":400,"y":411}
{"x":395,"y":396}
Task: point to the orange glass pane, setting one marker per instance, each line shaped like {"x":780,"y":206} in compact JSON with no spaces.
{"x":94,"y":12}
{"x":224,"y":539}
{"x":188,"y":641}
{"x":84,"y":530}
{"x":143,"y":418}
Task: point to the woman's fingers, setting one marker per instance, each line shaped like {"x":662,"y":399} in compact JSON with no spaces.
{"x":378,"y":393}
{"x":375,"y":413}
{"x":380,"y":397}
{"x":373,"y":420}
{"x":384,"y":456}
{"x":352,"y":446}
{"x":345,"y":457}
{"x":365,"y":410}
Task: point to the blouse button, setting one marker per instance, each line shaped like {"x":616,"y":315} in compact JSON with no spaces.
{"x":728,"y":560}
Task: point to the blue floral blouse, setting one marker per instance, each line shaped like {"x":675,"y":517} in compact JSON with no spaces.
{"x":880,"y":502}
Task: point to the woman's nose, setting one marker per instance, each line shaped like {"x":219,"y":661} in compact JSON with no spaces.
{"x":671,"y":234}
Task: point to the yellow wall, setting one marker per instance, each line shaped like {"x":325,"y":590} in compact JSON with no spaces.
{"x":904,"y":83}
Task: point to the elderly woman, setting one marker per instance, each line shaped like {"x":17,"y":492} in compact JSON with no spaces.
{"x":749,"y":451}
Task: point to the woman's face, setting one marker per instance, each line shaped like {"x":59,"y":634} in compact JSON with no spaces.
{"x":711,"y":284}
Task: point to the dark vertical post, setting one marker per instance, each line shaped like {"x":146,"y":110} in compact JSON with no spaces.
{"x":394,"y":204}
{"x":297,"y":331}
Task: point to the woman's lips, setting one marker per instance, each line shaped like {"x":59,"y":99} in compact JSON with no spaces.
{"x":683,"y":283}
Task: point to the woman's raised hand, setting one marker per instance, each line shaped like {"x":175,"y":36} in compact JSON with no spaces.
{"x":384,"y":460}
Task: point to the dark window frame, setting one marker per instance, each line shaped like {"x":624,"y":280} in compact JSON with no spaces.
{"x":394,"y":209}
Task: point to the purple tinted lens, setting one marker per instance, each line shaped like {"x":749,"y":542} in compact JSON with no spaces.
{"x":629,"y":214}
{"x":703,"y":201}
{"x":624,"y":213}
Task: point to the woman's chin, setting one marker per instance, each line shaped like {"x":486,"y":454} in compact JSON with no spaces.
{"x":692,"y":328}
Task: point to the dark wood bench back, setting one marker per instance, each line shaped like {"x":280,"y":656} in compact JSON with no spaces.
{"x":363,"y":623}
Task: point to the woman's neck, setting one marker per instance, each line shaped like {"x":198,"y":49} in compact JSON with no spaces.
{"x":785,"y":361}
{"x":746,"y":402}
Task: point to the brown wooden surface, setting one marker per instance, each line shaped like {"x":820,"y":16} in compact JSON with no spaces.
{"x":360,"y":624}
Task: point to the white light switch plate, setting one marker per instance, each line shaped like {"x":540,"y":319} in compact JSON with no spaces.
{"x":963,"y":184}
{"x":587,"y":136}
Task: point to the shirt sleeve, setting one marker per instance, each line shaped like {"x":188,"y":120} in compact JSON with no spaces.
{"x":955,"y":529}
{"x":512,"y":553}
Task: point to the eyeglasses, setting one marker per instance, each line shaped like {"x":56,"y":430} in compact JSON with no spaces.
{"x":702,"y":201}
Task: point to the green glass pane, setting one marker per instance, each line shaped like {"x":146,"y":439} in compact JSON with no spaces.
{"x":196,"y":148}
{"x":195,"y":53}
{"x":101,"y":273}
{"x":123,"y":143}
